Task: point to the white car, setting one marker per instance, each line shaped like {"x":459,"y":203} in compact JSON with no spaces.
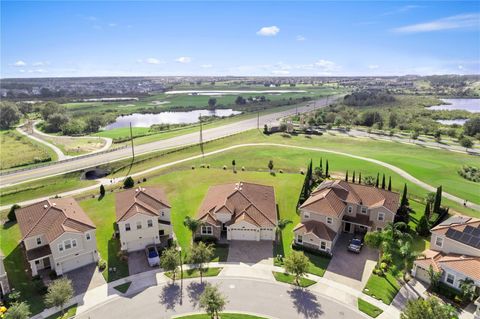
{"x":152,"y":255}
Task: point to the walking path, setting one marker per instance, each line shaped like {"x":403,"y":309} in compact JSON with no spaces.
{"x":397,"y":170}
{"x":57,"y":151}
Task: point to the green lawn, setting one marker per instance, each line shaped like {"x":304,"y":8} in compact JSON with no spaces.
{"x":318,"y":264}
{"x":222,"y":315}
{"x":123,"y":287}
{"x":69,"y":313}
{"x":75,"y":146}
{"x":371,"y":310}
{"x":382,"y":288}
{"x":194,"y":273}
{"x":221,"y":253}
{"x":289,"y":279}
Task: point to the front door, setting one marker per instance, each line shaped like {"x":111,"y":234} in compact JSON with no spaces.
{"x":347,"y":226}
{"x":46,"y":262}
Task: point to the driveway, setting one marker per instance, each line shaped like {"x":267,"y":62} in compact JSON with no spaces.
{"x":137,"y":262}
{"x":250,"y":252}
{"x":85,"y":278}
{"x":349,"y":268}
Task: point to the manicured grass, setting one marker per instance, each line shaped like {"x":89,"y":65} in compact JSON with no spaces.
{"x":382,"y":288}
{"x":222,"y":315}
{"x":19,"y":150}
{"x":102,"y":213}
{"x":123,"y":287}
{"x":221,"y":253}
{"x":289,"y":279}
{"x":194,"y":273}
{"x":318,"y":264}
{"x":70,"y":312}
{"x":371,"y":310}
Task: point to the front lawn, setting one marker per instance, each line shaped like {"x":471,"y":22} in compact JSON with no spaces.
{"x":70,"y":312}
{"x":221,"y":253}
{"x":222,"y":315}
{"x":382,"y":288}
{"x":371,"y":310}
{"x":289,"y":279}
{"x":317,"y":265}
{"x":123,"y":287}
{"x":194,"y":273}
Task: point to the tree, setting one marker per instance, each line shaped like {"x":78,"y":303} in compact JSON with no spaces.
{"x":94,"y":123}
{"x":11,"y":213}
{"x":353,"y":177}
{"x":360,"y":177}
{"x":472,"y":126}
{"x":270,"y":166}
{"x":404,"y":201}
{"x":59,"y":293}
{"x":321,"y":165}
{"x":169,"y":260}
{"x":405,"y":250}
{"x":466,"y":142}
{"x":346,"y":176}
{"x":51,"y":108}
{"x":56,"y":122}
{"x":377,"y":180}
{"x":265,"y":129}
{"x":383,"y":181}
{"x":297,"y":264}
{"x":327,"y":174}
{"x":18,"y":310}
{"x":128,"y":182}
{"x":434,"y":276}
{"x":438,"y":136}
{"x":438,"y":200}
{"x":467,"y":286}
{"x":25,"y":108}
{"x":369,"y":180}
{"x":430,"y":308}
{"x":74,"y":127}
{"x":240,"y":100}
{"x":192,"y":224}
{"x":414,"y":135}
{"x":378,"y":240}
{"x":281,"y":224}
{"x":200,"y":254}
{"x":233,"y":165}
{"x":212,"y":301}
{"x":430,"y":198}
{"x":423,"y":227}
{"x":9,"y":115}
{"x":389,"y":183}
{"x":212,"y":102}
{"x":102,"y":190}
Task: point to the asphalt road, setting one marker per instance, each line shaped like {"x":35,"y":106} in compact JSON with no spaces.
{"x":178,"y":141}
{"x":260,"y":297}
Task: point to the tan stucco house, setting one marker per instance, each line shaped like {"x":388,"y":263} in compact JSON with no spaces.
{"x":454,"y":251}
{"x":143,"y":218}
{"x":4,"y":285}
{"x":338,"y":206}
{"x":238,"y":211}
{"x":57,"y":235}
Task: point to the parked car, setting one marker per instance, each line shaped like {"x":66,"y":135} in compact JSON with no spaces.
{"x":355,"y":245}
{"x":152,"y":255}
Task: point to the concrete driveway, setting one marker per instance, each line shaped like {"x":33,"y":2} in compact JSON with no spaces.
{"x":250,"y":252}
{"x":137,"y":262}
{"x":85,"y":278}
{"x":349,"y":268}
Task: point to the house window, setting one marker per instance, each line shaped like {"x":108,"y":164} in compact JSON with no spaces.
{"x":149,"y":223}
{"x":364,"y":210}
{"x":299,"y":239}
{"x":37,"y":262}
{"x":306,"y":215}
{"x":350,"y":209}
{"x":60,"y":247}
{"x":451,"y":279}
{"x":139,"y":225}
{"x":163,"y":214}
{"x":68,"y":244}
{"x":74,"y":243}
{"x":87,"y":236}
{"x":127,"y":227}
{"x":207,"y":230}
{"x":381,"y":216}
{"x":329,"y":220}
{"x":323,"y":245}
{"x":161,"y":232}
{"x":39,"y":241}
{"x":439,"y":241}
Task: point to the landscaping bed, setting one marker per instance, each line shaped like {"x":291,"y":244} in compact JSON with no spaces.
{"x":70,"y":312}
{"x":371,"y":310}
{"x":194,"y":273}
{"x":222,"y":315}
{"x":289,"y":279}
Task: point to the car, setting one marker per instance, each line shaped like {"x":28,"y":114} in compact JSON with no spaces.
{"x":355,"y":245}
{"x":152,"y":255}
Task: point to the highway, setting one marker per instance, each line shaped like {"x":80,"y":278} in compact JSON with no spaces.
{"x":62,"y":167}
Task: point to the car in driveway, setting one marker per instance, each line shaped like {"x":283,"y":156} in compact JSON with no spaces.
{"x":152,"y":255}
{"x":355,"y":245}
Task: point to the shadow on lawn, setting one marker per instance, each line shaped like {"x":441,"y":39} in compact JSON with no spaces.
{"x":305,"y":303}
{"x":115,"y":262}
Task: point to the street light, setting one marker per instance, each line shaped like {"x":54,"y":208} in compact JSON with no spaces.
{"x":181,"y":263}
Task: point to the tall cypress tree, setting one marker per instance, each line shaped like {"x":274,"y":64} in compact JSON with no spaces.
{"x":321,"y":167}
{"x":353,"y":177}
{"x":377,"y":180}
{"x":438,"y":200}
{"x":383,"y":181}
{"x":427,"y":211}
{"x":326,"y":169}
{"x":404,"y":201}
{"x":346,"y":177}
{"x":360,"y":177}
{"x":390,"y":183}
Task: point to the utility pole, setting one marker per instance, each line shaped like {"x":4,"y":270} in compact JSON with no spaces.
{"x":258,"y":120}
{"x":131,"y":139}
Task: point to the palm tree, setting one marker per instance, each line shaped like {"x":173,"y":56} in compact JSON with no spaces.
{"x":394,"y":231}
{"x":282,"y":223}
{"x":380,"y":240}
{"x":192,"y":224}
{"x":405,"y":250}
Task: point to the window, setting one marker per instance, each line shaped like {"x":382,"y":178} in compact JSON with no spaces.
{"x":87,"y":236}
{"x":37,"y":262}
{"x":323,"y":245}
{"x":74,"y":243}
{"x":127,"y":227}
{"x":364,"y":210}
{"x":149,"y":223}
{"x":161,"y":232}
{"x":451,"y":279}
{"x":329,"y":220}
{"x":381,"y":216}
{"x":350,"y":209}
{"x":439,"y":241}
{"x":68,"y":244}
{"x":60,"y":247}
{"x":306,"y":215}
{"x":163,"y":214}
{"x":39,"y":241}
{"x":299,"y":239}
{"x":139,"y":225}
{"x":207,"y":230}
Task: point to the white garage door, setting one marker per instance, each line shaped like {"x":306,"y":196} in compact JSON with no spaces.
{"x":267,"y":234}
{"x":243,"y":234}
{"x":422,"y":275}
{"x":77,"y":262}
{"x":139,"y":244}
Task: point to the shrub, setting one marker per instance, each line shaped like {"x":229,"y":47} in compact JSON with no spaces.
{"x":53,"y":274}
{"x":311,"y":250}
{"x":144,"y":179}
{"x":193,"y":166}
{"x":128,"y":182}
{"x":280,"y":171}
{"x":470,"y":173}
{"x":243,"y":168}
{"x":39,"y":285}
{"x":102,"y":264}
{"x":224,"y":167}
{"x":383,"y":266}
{"x":11,"y":213}
{"x":206,"y":239}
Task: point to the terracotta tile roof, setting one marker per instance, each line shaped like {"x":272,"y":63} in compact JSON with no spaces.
{"x":331,"y":196}
{"x":457,"y":222}
{"x":52,"y":218}
{"x":467,"y":265}
{"x":140,"y":200}
{"x":254,"y":203}
{"x":317,"y":228}
{"x":430,"y":258}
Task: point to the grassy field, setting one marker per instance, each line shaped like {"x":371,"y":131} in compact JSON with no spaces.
{"x":18,"y":150}
{"x":371,"y":310}
{"x":289,"y":279}
{"x":74,"y":146}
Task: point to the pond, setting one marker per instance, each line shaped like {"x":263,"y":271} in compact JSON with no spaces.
{"x":470,"y":105}
{"x":452,"y":122}
{"x":149,"y":119}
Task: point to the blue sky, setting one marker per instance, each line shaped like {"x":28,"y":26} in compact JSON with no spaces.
{"x":40,"y":39}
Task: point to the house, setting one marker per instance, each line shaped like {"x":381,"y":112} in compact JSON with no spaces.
{"x":454,"y":251}
{"x":142,"y":217}
{"x":4,"y":285}
{"x":338,"y":206}
{"x":57,"y":235}
{"x":238,"y":211}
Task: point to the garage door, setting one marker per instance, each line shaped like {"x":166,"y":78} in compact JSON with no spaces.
{"x":77,"y":262}
{"x":267,"y":234}
{"x":243,"y":234}
{"x":139,"y":244}
{"x":422,"y":275}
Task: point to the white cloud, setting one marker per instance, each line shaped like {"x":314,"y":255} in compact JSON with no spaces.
{"x":326,"y":65}
{"x":206,"y":66}
{"x":184,"y":59}
{"x":300,"y":38}
{"x":40,"y":63}
{"x":280,"y":72}
{"x":112,"y":25}
{"x":268,"y":31}
{"x":460,"y":67}
{"x":37,"y":71}
{"x":20,"y":63}
{"x":373,"y":66}
{"x":152,"y":61}
{"x":462,"y":21}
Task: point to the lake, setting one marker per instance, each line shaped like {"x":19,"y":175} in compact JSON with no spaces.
{"x":470,"y":105}
{"x":451,"y":122}
{"x":147,"y":120}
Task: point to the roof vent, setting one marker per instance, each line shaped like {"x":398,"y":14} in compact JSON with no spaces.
{"x":45,"y":206}
{"x":136,"y":189}
{"x":54,"y":204}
